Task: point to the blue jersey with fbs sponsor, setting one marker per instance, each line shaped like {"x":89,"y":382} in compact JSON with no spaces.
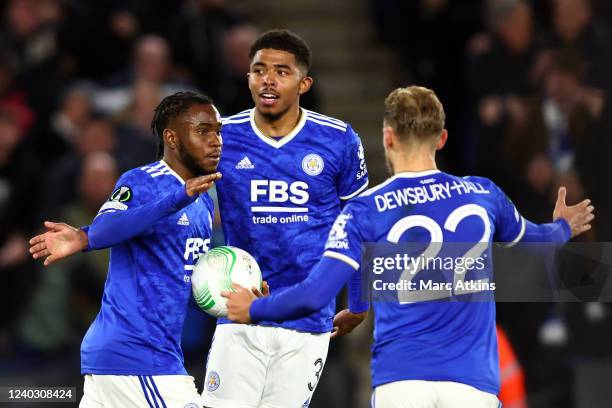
{"x":437,"y":341}
{"x":148,"y":287}
{"x":279,"y":197}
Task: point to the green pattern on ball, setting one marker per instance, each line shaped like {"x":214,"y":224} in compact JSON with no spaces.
{"x":219,"y":264}
{"x":204,"y":299}
{"x":226,"y":283}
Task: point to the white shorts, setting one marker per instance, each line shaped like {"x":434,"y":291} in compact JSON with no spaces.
{"x":267,"y":367}
{"x":140,"y":391}
{"x":431,"y":394}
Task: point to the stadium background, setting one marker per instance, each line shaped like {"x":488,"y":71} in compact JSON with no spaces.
{"x":79,"y":81}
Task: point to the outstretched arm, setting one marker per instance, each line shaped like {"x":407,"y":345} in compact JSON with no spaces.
{"x":108,"y":229}
{"x":317,"y":290}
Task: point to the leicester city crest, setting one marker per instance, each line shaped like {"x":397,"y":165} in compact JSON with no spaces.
{"x":312,"y":164}
{"x":213,"y":382}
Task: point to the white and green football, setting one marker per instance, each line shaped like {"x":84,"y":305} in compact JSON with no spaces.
{"x":216,"y":270}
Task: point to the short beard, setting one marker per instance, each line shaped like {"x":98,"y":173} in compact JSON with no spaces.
{"x":190,"y":162}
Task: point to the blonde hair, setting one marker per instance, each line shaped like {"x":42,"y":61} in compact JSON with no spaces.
{"x":414,"y":113}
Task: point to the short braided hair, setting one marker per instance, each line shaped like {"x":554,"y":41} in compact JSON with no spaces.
{"x":170,"y":107}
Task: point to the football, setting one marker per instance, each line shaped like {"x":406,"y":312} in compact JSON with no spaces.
{"x":214,"y":273}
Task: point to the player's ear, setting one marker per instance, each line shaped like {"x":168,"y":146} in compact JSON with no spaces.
{"x":305,"y":84}
{"x":388,"y":141}
{"x":170,"y":138}
{"x":442,"y":140}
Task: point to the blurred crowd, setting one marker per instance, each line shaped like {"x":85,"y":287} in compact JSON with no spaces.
{"x":525,"y":85}
{"x":78,"y":84}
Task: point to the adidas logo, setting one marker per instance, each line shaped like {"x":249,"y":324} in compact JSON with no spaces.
{"x":245,"y":163}
{"x":183,"y":220}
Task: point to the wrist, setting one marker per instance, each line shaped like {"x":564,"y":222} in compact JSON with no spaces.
{"x":84,"y":238}
{"x":567,"y":229}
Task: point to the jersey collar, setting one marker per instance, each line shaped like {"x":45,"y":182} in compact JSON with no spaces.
{"x":172,"y":172}
{"x":284,"y":140}
{"x":415,"y":174}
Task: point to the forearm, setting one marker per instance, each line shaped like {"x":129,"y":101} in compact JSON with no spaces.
{"x":319,"y":289}
{"x":356,"y":303}
{"x":555,"y":232}
{"x":113,"y":228}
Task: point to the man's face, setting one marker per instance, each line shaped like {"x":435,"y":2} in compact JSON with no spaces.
{"x":570,"y":17}
{"x":276,"y":82}
{"x":199,"y":138}
{"x":517,"y":30}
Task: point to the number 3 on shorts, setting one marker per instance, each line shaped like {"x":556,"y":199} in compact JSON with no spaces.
{"x":318,"y":363}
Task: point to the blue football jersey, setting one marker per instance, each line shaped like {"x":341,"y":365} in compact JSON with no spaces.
{"x":148,"y":287}
{"x":278,"y":198}
{"x":441,"y":340}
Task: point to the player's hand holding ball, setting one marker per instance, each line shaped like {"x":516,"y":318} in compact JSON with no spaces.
{"x":239,"y":302}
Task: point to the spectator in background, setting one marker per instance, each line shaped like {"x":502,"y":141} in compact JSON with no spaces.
{"x":576,"y":25}
{"x":197,"y":35}
{"x":13,"y":98}
{"x":108,"y":28}
{"x":551,"y":146}
{"x":67,"y":123}
{"x":19,"y":176}
{"x":32,"y":33}
{"x":151,"y":62}
{"x":234,"y":94}
{"x":136,"y":145}
{"x":499,"y":65}
{"x":60,"y":187}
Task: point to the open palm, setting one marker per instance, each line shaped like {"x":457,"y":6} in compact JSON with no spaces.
{"x":578,"y":216}
{"x":61,"y":240}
